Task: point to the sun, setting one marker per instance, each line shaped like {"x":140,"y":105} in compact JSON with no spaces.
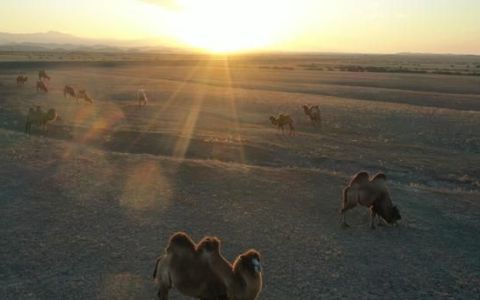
{"x":229,"y":25}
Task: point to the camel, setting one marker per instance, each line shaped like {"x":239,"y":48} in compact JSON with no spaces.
{"x":371,"y":193}
{"x":40,"y":118}
{"x":21,"y":79}
{"x":82,"y":94}
{"x":243,"y":279}
{"x":43,"y":75}
{"x":313,"y":112}
{"x":142,"y":98}
{"x":281,"y":121}
{"x":69,"y":91}
{"x":180,"y":267}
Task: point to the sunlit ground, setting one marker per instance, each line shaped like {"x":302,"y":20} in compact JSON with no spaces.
{"x":88,"y":206}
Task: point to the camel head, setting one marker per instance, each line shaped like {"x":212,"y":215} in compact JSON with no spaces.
{"x":273,"y":120}
{"x":51,"y":115}
{"x":249,"y":261}
{"x":390,"y":214}
{"x":306,"y":109}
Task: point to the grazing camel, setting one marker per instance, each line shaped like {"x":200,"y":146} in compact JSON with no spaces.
{"x":41,"y":86}
{"x":385,"y":208}
{"x":40,"y":118}
{"x":43,"y":75}
{"x":372,"y":193}
{"x":313,"y":112}
{"x":180,"y":267}
{"x":21,"y":79}
{"x":82,"y":94}
{"x":69,"y":91}
{"x":142,"y":98}
{"x":243,"y":279}
{"x":281,"y":120}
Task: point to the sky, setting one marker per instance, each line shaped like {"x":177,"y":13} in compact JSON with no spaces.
{"x":361,"y":26}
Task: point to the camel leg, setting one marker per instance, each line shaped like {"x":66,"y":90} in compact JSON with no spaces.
{"x":372,"y":217}
{"x":163,"y":293}
{"x":343,"y":212}
{"x":343,"y":221}
{"x":380,"y":221}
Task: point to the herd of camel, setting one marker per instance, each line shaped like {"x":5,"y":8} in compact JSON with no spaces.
{"x":202,"y":272}
{"x":42,"y":85}
{"x":283,"y":119}
{"x":38,"y":117}
{"x":41,"y":118}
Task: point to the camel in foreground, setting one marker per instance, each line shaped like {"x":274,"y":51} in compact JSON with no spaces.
{"x":243,"y":279}
{"x":180,"y":267}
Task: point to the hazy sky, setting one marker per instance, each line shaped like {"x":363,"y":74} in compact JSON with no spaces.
{"x":440,"y":26}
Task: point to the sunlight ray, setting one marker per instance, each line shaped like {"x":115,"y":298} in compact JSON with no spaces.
{"x":185,"y":136}
{"x":233,"y":108}
{"x":155,"y":119}
{"x":187,"y":131}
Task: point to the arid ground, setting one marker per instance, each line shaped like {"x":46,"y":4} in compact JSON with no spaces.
{"x":87,"y":207}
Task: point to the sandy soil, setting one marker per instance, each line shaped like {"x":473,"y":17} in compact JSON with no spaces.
{"x":88,"y":206}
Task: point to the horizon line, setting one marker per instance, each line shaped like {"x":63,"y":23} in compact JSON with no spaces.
{"x":193,"y":49}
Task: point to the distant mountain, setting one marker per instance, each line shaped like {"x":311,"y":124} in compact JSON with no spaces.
{"x":58,"y":41}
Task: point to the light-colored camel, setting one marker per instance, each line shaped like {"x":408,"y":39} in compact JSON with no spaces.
{"x":142,"y":98}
